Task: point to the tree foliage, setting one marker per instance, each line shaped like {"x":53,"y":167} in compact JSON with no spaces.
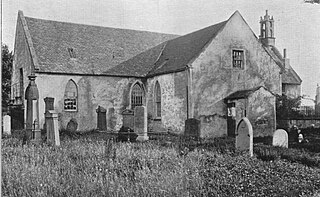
{"x":7,"y":59}
{"x":312,"y":1}
{"x":287,"y":107}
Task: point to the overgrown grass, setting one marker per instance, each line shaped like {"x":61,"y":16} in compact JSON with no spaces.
{"x":166,"y":166}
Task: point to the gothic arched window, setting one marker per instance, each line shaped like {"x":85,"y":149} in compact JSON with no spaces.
{"x":71,"y":96}
{"x":157,"y":99}
{"x":137,"y":96}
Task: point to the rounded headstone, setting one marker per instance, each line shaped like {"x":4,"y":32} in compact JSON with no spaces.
{"x":244,"y":137}
{"x":7,"y":125}
{"x":72,"y":125}
{"x":280,"y":138}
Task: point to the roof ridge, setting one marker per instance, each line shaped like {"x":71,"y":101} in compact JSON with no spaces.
{"x":90,"y":25}
{"x":161,"y":52}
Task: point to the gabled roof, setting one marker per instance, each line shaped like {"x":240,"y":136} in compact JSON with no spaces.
{"x":245,"y":93}
{"x":289,"y":76}
{"x":170,"y":56}
{"x":96,"y":49}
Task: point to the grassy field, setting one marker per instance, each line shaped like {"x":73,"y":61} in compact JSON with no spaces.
{"x":92,"y":165}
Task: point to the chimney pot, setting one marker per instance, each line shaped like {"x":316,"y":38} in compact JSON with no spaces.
{"x":284,"y":53}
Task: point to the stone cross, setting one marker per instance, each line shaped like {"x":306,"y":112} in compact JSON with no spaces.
{"x":140,"y":123}
{"x":192,"y":128}
{"x":244,"y":136}
{"x":280,"y":138}
{"x":7,"y":125}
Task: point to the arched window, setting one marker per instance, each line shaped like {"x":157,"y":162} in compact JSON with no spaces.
{"x":136,"y":96}
{"x":71,"y":96}
{"x":157,"y":99}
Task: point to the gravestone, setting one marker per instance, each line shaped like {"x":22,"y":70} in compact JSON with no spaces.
{"x":244,"y":136}
{"x":280,"y":138}
{"x":72,"y":125}
{"x":51,"y":122}
{"x":192,"y":128}
{"x":128,"y":118}
{"x":112,"y":119}
{"x":140,"y":123}
{"x":102,"y":119}
{"x":7,"y":125}
{"x":52,"y":127}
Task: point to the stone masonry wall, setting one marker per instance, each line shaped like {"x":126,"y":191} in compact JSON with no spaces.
{"x":173,"y":102}
{"x":214,"y":78}
{"x":93,"y":91}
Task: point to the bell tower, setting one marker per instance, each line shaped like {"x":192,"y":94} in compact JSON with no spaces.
{"x":267,"y":30}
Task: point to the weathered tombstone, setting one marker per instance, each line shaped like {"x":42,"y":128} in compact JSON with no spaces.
{"x":244,"y":136}
{"x":140,"y":123}
{"x":102,"y":119}
{"x":52,"y":127}
{"x":72,"y":125}
{"x":192,"y":128}
{"x":112,"y":119}
{"x":7,"y":125}
{"x":51,"y":122}
{"x":280,"y":138}
{"x":128,"y":118}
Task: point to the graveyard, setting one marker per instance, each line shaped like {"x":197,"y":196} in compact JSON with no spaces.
{"x":113,"y":111}
{"x":97,"y":164}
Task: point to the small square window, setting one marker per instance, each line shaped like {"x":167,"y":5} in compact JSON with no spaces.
{"x":71,"y":53}
{"x":238,"y":59}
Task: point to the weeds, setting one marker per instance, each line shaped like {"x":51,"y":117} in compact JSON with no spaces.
{"x":85,"y":166}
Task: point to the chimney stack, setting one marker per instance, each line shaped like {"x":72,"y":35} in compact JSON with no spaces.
{"x":286,"y":60}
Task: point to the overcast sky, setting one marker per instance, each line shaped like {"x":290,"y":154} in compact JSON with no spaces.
{"x":297,"y":24}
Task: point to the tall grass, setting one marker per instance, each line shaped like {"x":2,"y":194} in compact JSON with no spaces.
{"x":87,"y":167}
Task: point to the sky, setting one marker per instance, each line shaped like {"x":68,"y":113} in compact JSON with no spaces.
{"x":297,"y":24}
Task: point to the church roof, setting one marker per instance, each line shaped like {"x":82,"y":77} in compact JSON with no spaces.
{"x":245,"y":93}
{"x":289,"y":76}
{"x":170,"y":56}
{"x":62,"y":47}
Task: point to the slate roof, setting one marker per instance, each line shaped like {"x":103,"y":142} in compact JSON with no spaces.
{"x":170,"y":56}
{"x":289,"y":76}
{"x":245,"y":93}
{"x":97,"y":49}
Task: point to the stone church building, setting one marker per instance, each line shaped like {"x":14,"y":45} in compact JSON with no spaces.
{"x":217,"y":74}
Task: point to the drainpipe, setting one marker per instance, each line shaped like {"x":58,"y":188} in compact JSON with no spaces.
{"x":189,"y":92}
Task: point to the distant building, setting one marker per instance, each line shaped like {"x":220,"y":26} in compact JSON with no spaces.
{"x":317,"y":101}
{"x":217,"y":74}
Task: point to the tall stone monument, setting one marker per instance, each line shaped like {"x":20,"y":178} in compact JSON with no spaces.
{"x":51,"y":122}
{"x":140,"y":123}
{"x":32,"y":97}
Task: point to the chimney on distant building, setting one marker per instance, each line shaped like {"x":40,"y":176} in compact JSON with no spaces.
{"x":286,"y":60}
{"x":267,"y":30}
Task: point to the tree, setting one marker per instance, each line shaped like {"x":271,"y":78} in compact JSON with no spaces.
{"x":287,"y":107}
{"x":7,"y":59}
{"x":312,"y":1}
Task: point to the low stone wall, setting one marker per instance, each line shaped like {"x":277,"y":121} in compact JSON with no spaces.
{"x":303,"y":122}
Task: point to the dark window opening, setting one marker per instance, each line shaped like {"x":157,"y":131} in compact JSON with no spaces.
{"x":136,"y":96}
{"x":237,"y":59}
{"x":71,"y":53}
{"x":158,"y":99}
{"x":71,"y":96}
